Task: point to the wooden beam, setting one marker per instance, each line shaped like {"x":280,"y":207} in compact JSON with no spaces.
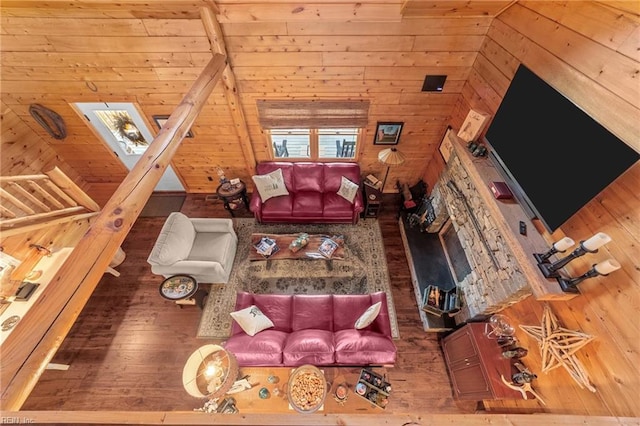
{"x":216,"y":39}
{"x":28,"y":228}
{"x":70,"y":188}
{"x":13,"y":200}
{"x":59,"y":192}
{"x":43,"y":192}
{"x":8,"y":223}
{"x":4,"y":179}
{"x":6,"y":212}
{"x":26,"y":194}
{"x":26,"y":355}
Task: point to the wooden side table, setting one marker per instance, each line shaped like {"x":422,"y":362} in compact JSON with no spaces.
{"x":183,"y":290}
{"x":372,"y":201}
{"x":233,"y":196}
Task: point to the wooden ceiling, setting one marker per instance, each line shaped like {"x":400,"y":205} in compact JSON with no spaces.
{"x":58,"y":52}
{"x":421,"y":9}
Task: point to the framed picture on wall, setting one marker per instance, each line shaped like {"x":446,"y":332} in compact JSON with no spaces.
{"x":161,"y":119}
{"x":388,"y":133}
{"x":445,"y":146}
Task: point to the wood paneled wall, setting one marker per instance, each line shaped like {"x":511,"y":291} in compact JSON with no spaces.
{"x":23,"y":151}
{"x":588,"y":51}
{"x":150,"y":53}
{"x":278,"y":50}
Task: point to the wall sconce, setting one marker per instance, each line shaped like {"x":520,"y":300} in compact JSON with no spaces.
{"x":558,"y":247}
{"x":550,"y":270}
{"x":603,"y":268}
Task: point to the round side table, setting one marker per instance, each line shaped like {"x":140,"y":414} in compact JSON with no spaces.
{"x":233,"y":196}
{"x":178,"y":287}
{"x":183,"y":290}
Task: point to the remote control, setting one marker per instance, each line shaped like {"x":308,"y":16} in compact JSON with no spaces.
{"x":523,"y":228}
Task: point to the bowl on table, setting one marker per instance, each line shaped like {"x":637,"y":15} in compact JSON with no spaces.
{"x":306,"y":389}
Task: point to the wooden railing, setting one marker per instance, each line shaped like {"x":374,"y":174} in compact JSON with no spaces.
{"x":30,"y":206}
{"x":34,"y":201}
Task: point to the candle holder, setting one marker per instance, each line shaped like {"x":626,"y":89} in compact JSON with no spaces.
{"x":557,"y":247}
{"x":550,"y":270}
{"x":569,"y":285}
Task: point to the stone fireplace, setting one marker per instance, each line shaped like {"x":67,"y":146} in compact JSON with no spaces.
{"x":496,"y":279}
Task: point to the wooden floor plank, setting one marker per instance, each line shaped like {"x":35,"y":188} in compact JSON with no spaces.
{"x":129,"y":345}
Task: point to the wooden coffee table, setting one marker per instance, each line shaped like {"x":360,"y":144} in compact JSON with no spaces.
{"x":249,"y":401}
{"x":283,"y":241}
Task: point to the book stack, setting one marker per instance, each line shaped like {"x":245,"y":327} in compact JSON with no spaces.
{"x":267,"y":246}
{"x":373,"y":181}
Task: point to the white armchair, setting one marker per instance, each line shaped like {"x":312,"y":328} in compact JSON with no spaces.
{"x":201,"y":247}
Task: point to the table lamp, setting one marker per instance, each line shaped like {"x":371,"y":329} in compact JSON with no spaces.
{"x":210,"y":372}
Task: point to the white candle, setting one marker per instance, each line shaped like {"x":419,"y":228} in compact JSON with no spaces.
{"x":563,"y":244}
{"x":596,"y":241}
{"x":607,"y":266}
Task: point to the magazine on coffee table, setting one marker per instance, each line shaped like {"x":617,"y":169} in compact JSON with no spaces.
{"x":327,"y":247}
{"x":267,"y":246}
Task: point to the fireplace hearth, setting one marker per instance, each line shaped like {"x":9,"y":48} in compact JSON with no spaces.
{"x":494,"y":279}
{"x":454,"y":252}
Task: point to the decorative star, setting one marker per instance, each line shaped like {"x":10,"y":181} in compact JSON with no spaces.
{"x":558,"y":346}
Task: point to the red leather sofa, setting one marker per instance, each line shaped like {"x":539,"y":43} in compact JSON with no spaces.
{"x":314,"y":329}
{"x":312,"y":195}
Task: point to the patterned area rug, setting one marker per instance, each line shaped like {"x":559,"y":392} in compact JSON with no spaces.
{"x":363,"y":270}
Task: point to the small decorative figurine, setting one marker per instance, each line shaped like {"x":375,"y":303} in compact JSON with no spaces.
{"x":263,"y":393}
{"x":515,"y":353}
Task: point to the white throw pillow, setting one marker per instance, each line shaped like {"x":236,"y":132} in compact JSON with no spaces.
{"x":368,"y":316}
{"x":348,"y":189}
{"x":270,"y":185}
{"x":252,"y":320}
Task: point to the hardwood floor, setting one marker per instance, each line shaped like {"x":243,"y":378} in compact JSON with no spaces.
{"x":129,"y":345}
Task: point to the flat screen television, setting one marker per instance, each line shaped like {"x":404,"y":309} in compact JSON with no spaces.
{"x":554,"y":157}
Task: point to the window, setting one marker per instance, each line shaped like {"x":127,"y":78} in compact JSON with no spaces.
{"x":314,"y":129}
{"x":314,"y":144}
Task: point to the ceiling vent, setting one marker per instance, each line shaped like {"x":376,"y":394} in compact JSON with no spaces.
{"x":434,"y":83}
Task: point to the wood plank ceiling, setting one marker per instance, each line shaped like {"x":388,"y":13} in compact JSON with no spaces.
{"x":150,"y":53}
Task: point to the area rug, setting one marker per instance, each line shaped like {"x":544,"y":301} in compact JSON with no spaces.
{"x":160,"y":205}
{"x":363,"y":270}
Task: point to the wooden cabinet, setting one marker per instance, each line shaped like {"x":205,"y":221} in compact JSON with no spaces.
{"x":475,"y":363}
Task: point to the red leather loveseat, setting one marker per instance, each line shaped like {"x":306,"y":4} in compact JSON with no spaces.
{"x":313,"y":197}
{"x":314,"y":329}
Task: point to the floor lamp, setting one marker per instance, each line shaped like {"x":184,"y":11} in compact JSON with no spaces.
{"x":389,"y":157}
